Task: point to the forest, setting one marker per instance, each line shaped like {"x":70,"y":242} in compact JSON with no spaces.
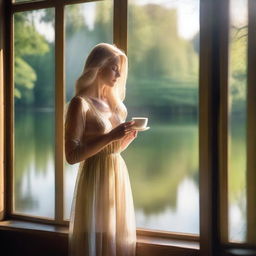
{"x":163,"y":66}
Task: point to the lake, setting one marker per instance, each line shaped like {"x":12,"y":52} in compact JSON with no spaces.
{"x":162,"y":164}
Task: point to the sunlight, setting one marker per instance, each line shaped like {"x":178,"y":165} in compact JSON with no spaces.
{"x":188,"y":13}
{"x":239,"y":12}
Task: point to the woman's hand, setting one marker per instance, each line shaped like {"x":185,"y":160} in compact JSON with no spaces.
{"x":121,"y":130}
{"x":127,"y":139}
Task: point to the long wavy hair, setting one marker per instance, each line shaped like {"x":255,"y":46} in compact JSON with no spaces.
{"x":99,"y":56}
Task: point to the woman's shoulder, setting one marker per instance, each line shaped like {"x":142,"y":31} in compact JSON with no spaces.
{"x":78,"y":99}
{"x":78,"y":102}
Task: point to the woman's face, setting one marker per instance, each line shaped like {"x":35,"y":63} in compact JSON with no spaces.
{"x":111,"y":72}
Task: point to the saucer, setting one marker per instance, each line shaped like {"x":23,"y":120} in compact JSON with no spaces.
{"x":141,"y":129}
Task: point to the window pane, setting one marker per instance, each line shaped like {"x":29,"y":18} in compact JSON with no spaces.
{"x":34,"y":113}
{"x":86,"y":25}
{"x":163,"y":52}
{"x":237,"y":119}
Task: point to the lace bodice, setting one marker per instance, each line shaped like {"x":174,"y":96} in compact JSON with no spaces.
{"x":84,"y":120}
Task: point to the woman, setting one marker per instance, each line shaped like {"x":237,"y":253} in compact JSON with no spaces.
{"x":102,"y":221}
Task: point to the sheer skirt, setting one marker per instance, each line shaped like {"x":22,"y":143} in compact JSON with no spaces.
{"x":102,"y":221}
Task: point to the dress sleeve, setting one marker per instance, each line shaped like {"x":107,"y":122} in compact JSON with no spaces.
{"x":74,"y":128}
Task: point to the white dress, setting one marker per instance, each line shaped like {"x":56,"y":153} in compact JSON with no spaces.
{"x":102,"y":221}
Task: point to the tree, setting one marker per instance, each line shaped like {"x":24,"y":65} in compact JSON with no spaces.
{"x":163,"y":67}
{"x":27,"y":42}
{"x":238,"y":66}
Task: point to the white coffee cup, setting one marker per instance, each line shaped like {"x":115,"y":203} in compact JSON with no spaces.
{"x":140,"y":122}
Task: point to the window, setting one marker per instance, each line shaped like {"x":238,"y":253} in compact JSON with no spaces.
{"x":36,"y":139}
{"x":237,"y":119}
{"x":163,"y":53}
{"x":86,"y":25}
{"x":34,"y":113}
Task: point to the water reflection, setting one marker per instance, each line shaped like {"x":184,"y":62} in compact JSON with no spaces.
{"x":160,"y":159}
{"x":157,"y":172}
{"x":237,"y":178}
{"x":163,"y":168}
{"x":183,"y":218}
{"x":34,"y":163}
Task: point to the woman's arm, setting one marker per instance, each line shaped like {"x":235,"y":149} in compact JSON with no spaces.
{"x":81,"y":151}
{"x":76,"y":149}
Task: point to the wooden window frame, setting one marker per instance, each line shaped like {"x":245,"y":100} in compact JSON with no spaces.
{"x":120,"y":39}
{"x":2,"y":117}
{"x":213,"y":109}
{"x":214,"y":38}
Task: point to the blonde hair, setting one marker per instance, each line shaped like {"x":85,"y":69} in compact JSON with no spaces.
{"x":99,"y":56}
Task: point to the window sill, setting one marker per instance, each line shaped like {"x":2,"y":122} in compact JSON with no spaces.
{"x":168,"y":242}
{"x":26,"y":226}
{"x":145,"y":244}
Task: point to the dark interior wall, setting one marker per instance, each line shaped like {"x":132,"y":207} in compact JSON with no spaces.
{"x":20,"y":243}
{"x":35,"y":243}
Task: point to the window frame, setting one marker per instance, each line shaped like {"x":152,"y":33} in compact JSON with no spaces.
{"x":2,"y":117}
{"x":120,"y":39}
{"x":251,"y":125}
{"x":213,"y":124}
{"x":120,"y":21}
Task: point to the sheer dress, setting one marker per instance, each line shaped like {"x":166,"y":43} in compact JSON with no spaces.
{"x":102,"y":220}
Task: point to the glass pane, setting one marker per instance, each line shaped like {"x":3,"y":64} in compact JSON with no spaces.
{"x":237,"y":119}
{"x":87,"y":24}
{"x":163,"y":52}
{"x":34,"y":108}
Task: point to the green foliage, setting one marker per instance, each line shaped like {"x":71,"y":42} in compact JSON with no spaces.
{"x":104,"y":22}
{"x":163,"y":93}
{"x":27,"y":42}
{"x":44,"y":90}
{"x":74,"y":14}
{"x":238,"y":66}
{"x":161,"y":69}
{"x":155,"y":48}
{"x":163,"y":66}
{"x":83,"y":39}
{"x":24,"y":74}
